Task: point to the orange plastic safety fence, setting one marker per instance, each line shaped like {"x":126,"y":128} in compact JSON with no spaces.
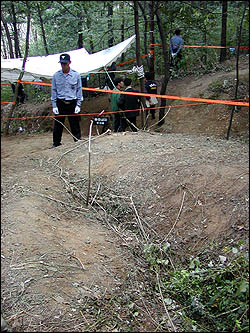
{"x":210,"y":46}
{"x":191,"y":99}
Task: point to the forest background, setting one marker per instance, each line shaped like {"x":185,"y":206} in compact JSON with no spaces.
{"x":59,"y":26}
{"x":46,"y":27}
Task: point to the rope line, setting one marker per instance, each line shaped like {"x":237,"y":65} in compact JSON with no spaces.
{"x":210,"y":46}
{"x":191,"y":99}
{"x":106,"y":112}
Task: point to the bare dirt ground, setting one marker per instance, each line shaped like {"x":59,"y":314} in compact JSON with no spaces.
{"x":64,"y":262}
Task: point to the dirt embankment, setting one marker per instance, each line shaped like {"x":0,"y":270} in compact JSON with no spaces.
{"x":62,"y":261}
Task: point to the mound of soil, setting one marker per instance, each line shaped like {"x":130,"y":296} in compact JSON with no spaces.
{"x":62,"y":259}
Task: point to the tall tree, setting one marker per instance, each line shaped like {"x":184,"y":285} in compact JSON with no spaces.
{"x":165,"y":54}
{"x":89,"y":28}
{"x":138,"y":58}
{"x":15,"y":31}
{"x":152,"y":38}
{"x":223,"y":52}
{"x":7,"y":32}
{"x":42,"y":28}
{"x":4,"y":52}
{"x":23,"y":67}
{"x":237,"y":67}
{"x":122,"y":27}
{"x":143,"y":10}
{"x":79,"y":7}
{"x":110,"y":25}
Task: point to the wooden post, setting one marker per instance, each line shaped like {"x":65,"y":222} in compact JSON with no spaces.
{"x":90,"y":131}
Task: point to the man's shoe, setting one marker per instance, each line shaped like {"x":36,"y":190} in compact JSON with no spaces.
{"x":54,"y":146}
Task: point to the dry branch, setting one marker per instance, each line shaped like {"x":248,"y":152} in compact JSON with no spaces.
{"x":166,"y":310}
{"x":82,"y":142}
{"x":59,"y":201}
{"x":139,"y":221}
{"x":176,"y":218}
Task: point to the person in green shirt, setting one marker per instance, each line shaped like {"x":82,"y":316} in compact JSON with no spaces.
{"x":119,"y":85}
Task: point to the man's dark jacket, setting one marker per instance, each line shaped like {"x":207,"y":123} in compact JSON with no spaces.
{"x":130,"y":102}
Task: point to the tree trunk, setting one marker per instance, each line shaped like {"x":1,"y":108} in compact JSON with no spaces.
{"x":122,"y":30}
{"x":23,"y":68}
{"x":223,"y":52}
{"x":4,"y":52}
{"x":237,"y":69}
{"x":165,"y":80}
{"x":16,"y":39}
{"x":42,"y":28}
{"x":138,"y":58}
{"x":80,"y":37}
{"x":203,"y":6}
{"x":145,"y":29}
{"x":80,"y":40}
{"x":88,"y":24}
{"x":8,"y":37}
{"x":110,"y":25}
{"x":152,"y":39}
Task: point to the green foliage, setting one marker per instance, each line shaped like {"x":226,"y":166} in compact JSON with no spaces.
{"x":36,"y":94}
{"x":214,"y":296}
{"x":156,"y":256}
{"x":65,"y":21}
{"x":219,"y":87}
{"x":7,"y":93}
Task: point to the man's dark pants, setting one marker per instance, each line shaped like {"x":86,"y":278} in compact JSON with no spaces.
{"x":74,"y":121}
{"x":117,"y":122}
{"x":125,"y":123}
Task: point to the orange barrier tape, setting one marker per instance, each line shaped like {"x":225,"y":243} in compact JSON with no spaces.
{"x":94,"y":114}
{"x":37,"y":83}
{"x":132,"y":60}
{"x":191,"y":99}
{"x":28,"y":82}
{"x":106,"y":112}
{"x":218,"y":47}
{"x":8,"y":102}
{"x":123,"y":63}
{"x":209,"y":46}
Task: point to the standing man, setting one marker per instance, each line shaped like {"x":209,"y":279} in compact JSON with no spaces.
{"x":176,"y":43}
{"x":66,"y":97}
{"x":119,"y":85}
{"x":150,"y":88}
{"x":129,"y":102}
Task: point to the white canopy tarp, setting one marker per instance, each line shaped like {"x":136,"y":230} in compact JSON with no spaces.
{"x":44,"y":67}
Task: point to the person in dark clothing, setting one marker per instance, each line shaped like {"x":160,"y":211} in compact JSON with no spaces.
{"x":85,"y":84}
{"x":150,"y":88}
{"x":21,"y":93}
{"x":119,"y":84}
{"x":176,"y":43}
{"x":129,"y":102}
{"x":66,"y":98}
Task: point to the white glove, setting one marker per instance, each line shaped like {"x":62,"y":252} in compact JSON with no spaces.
{"x":55,"y":111}
{"x":77,"y":109}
